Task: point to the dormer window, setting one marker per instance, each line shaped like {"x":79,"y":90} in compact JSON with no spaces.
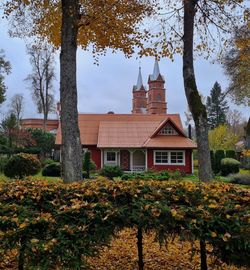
{"x":168,"y":130}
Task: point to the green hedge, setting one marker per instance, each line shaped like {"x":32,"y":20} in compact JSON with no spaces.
{"x":218,"y":156}
{"x":229,"y":165}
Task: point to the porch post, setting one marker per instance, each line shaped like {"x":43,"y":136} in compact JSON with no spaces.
{"x":146,"y":160}
{"x":131,"y":160}
{"x":101,"y":158}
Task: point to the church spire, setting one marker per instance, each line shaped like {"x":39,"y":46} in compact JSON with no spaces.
{"x":139,"y":80}
{"x":156,"y":71}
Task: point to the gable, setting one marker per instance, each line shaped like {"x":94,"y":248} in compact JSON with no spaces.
{"x":168,"y":129}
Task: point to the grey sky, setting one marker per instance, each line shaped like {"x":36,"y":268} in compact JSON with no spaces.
{"x":109,"y":86}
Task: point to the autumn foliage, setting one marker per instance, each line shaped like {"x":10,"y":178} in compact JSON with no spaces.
{"x":60,"y":225}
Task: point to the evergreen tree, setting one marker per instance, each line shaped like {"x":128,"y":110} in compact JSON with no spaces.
{"x":216,"y":107}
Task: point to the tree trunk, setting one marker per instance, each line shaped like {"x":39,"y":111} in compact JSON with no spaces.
{"x":140,"y":249}
{"x":71,"y":143}
{"x":203,"y":255}
{"x":196,"y":107}
{"x":21,"y":254}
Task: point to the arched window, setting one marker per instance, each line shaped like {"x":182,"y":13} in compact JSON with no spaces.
{"x":159,"y":97}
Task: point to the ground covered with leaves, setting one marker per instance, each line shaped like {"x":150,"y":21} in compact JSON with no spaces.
{"x":121,"y":254}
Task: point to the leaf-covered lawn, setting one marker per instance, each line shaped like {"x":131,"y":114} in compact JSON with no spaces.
{"x":122,"y":255}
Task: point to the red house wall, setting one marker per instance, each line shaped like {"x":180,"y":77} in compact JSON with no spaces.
{"x":95,"y":155}
{"x":186,"y":168}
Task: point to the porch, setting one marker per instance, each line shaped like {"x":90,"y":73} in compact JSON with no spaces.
{"x":130,"y":160}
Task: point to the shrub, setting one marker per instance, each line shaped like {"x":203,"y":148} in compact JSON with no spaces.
{"x":47,"y":161}
{"x":52,"y":169}
{"x":219,"y":155}
{"x":195,"y":162}
{"x":88,"y":163}
{"x":212,"y":157}
{"x":229,"y":165}
{"x":85,"y":175}
{"x":230,"y":154}
{"x":242,"y":179}
{"x":111,"y":171}
{"x":3,"y":162}
{"x":21,"y":165}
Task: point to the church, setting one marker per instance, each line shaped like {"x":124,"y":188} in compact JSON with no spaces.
{"x":147,"y":139}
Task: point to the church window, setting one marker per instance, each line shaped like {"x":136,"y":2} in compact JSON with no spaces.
{"x":159,"y":97}
{"x":168,"y":130}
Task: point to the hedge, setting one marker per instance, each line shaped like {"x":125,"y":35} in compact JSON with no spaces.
{"x":52,"y":224}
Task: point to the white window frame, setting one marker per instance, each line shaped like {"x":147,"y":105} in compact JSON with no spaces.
{"x":166,"y":130}
{"x":110,"y":163}
{"x":169,"y":157}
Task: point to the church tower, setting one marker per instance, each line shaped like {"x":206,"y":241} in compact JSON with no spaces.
{"x":139,"y":96}
{"x":156,"y":94}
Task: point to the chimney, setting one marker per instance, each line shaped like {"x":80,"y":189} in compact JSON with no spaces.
{"x":190,"y":131}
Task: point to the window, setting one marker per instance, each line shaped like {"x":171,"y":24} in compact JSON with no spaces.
{"x":110,"y":158}
{"x":164,"y":157}
{"x":168,"y":130}
{"x":159,"y":97}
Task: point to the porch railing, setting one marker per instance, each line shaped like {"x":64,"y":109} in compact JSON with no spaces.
{"x":138,"y":168}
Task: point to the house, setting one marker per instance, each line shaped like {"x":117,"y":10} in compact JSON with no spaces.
{"x":149,"y":138}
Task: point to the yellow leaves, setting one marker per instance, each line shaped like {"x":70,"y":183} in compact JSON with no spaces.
{"x":226,"y":237}
{"x":34,"y":241}
{"x":155,"y":212}
{"x":213,"y":234}
{"x":173,"y":212}
{"x":213,"y":205}
{"x":22,"y":225}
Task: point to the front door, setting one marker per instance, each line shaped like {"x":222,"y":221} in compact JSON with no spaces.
{"x":125,"y":160}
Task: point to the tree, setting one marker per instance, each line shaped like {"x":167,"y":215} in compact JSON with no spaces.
{"x":9,"y":127}
{"x":16,"y":107}
{"x":236,"y":63}
{"x":216,"y":107}
{"x":41,"y":79}
{"x":236,"y":123}
{"x":222,"y":138}
{"x":67,"y":24}
{"x":44,"y":140}
{"x":5,"y":69}
{"x":210,"y":22}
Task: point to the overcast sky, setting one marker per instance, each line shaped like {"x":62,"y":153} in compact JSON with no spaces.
{"x":108,"y":87}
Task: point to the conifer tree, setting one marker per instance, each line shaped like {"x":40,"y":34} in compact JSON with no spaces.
{"x":216,"y":107}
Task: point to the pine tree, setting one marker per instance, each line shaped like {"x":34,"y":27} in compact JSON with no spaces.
{"x":216,"y":107}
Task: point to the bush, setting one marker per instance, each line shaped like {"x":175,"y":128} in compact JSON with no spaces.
{"x":52,"y":169}
{"x":111,"y":171}
{"x":21,"y":165}
{"x":231,"y":154}
{"x":151,"y":175}
{"x":212,"y":157}
{"x":229,"y":165}
{"x":196,"y":163}
{"x":242,"y":179}
{"x":47,"y":161}
{"x":219,"y":155}
{"x":3,"y":162}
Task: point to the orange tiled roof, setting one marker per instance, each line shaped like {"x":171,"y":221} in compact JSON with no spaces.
{"x":52,"y":124}
{"x":127,"y":130}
